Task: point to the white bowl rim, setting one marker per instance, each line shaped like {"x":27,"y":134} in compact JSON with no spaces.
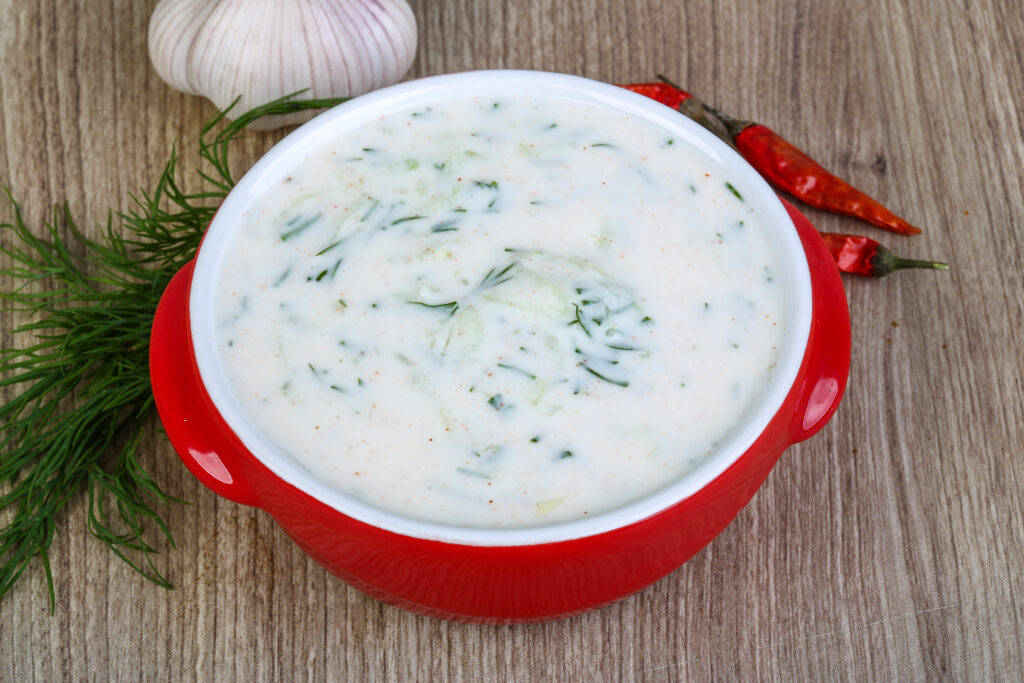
{"x":308,"y":138}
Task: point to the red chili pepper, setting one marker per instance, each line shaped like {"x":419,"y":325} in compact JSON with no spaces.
{"x":667,"y":94}
{"x":864,"y":256}
{"x":783,"y":164}
{"x":788,"y":168}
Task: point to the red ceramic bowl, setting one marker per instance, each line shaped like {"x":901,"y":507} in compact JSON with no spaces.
{"x":499,"y":575}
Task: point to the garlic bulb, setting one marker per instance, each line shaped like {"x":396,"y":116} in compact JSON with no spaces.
{"x":264,"y":49}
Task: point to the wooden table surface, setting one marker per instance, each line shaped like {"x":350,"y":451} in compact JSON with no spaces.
{"x":890,"y":546}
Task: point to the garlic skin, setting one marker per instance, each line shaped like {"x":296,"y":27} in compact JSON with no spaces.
{"x":265,"y":49}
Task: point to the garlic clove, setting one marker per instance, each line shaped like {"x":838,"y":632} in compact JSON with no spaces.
{"x":260,"y":50}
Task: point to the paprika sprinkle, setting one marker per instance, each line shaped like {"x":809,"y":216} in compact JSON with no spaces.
{"x":864,"y":256}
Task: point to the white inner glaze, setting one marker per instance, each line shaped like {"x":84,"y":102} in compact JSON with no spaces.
{"x":503,"y":311}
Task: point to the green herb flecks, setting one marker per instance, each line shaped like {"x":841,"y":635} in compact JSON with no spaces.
{"x":472,"y":473}
{"x":327,"y":273}
{"x":578,"y":320}
{"x":595,"y":373}
{"x":299,"y":224}
{"x":513,"y":368}
{"x":330,"y":246}
{"x":374,"y":205}
{"x":445,"y":226}
{"x":283,"y":276}
{"x":564,"y":454}
{"x":77,"y":397}
{"x":451,"y":307}
{"x":735,"y":192}
{"x":484,"y":463}
{"x":496,"y":277}
{"x":608,"y":319}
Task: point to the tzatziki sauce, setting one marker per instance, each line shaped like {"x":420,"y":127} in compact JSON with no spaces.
{"x":500,"y":312}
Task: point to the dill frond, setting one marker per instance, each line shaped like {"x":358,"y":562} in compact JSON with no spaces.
{"x":82,"y":400}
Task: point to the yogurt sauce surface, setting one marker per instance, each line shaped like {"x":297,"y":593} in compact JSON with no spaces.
{"x":503,"y":312}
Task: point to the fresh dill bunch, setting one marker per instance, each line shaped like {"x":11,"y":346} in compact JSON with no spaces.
{"x":81,"y":394}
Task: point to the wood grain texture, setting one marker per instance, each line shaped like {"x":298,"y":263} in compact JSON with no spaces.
{"x":890,"y":546}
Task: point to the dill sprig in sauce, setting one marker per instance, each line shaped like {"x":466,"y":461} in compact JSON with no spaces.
{"x":77,"y":397}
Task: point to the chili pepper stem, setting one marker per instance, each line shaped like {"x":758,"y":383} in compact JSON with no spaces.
{"x":734,"y":126}
{"x":664,"y":79}
{"x":694,"y":110}
{"x":862,"y":255}
{"x":886,"y":262}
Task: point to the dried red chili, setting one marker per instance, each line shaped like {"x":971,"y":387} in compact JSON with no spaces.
{"x":864,"y":256}
{"x":667,"y":94}
{"x":790,"y":169}
{"x":781,"y":163}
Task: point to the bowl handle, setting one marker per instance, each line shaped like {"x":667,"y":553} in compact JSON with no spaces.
{"x":827,"y":361}
{"x":199,"y":435}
